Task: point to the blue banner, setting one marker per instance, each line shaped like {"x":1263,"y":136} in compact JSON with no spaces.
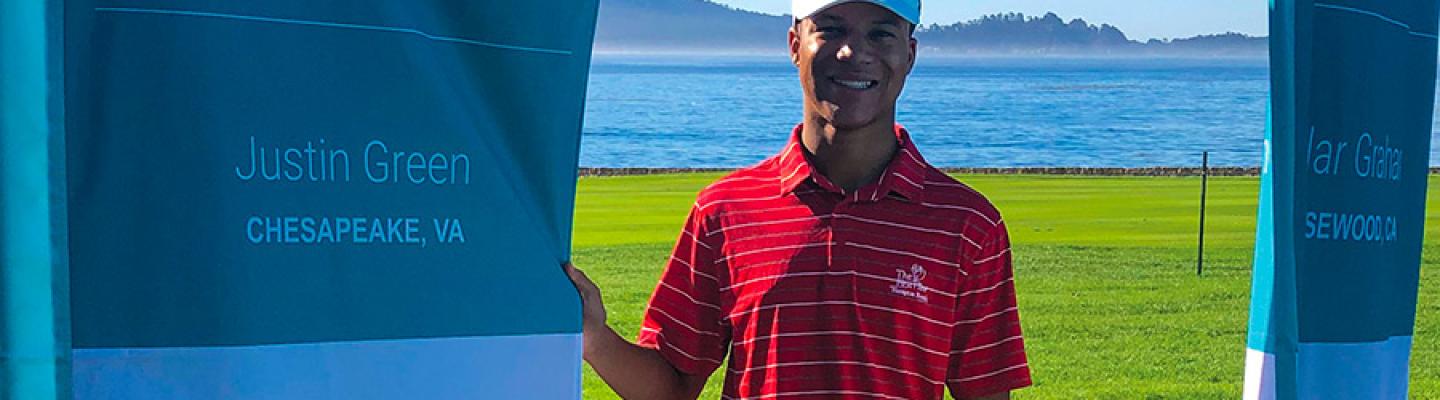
{"x":34,"y":334}
{"x":299,"y":200}
{"x":1342,"y":202}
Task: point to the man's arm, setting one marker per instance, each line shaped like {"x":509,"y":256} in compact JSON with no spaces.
{"x":633,"y":371}
{"x":988,"y":354}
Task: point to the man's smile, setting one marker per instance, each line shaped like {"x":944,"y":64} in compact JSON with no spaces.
{"x":855,"y":84}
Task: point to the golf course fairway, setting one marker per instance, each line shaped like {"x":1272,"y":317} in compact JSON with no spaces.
{"x":1109,"y":299}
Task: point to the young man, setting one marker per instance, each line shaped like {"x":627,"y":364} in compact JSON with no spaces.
{"x":843,"y":267}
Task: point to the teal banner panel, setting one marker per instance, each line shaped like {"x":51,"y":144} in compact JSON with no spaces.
{"x":1343,"y":199}
{"x":360,"y":199}
{"x":34,"y":329}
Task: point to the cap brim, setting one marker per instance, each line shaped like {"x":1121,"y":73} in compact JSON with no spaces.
{"x":888,"y":7}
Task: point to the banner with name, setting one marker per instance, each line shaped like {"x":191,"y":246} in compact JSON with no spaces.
{"x":324,"y":200}
{"x":1342,"y":204}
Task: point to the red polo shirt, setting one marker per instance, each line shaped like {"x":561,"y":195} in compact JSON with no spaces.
{"x":895,"y":290}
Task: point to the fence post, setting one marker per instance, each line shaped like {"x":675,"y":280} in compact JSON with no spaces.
{"x":1204,"y":185}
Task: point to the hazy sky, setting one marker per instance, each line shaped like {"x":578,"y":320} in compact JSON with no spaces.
{"x":1140,"y":19}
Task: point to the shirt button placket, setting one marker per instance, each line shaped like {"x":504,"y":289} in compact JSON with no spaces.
{"x":839,"y":225}
{"x":830,"y":246}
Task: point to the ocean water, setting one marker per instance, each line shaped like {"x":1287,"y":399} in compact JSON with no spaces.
{"x":650,"y":111}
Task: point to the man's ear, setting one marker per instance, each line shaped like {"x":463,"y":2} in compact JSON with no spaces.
{"x":914,"y":48}
{"x":794,"y":41}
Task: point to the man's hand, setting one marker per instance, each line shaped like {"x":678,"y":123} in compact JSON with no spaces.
{"x":593,"y":307}
{"x":634,"y":372}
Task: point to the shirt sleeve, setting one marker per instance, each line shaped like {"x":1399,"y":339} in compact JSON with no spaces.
{"x":987,"y":354}
{"x":684,"y":321}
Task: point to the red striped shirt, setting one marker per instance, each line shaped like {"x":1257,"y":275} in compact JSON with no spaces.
{"x":898,"y":289}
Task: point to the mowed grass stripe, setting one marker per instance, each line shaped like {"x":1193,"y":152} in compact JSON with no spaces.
{"x":1109,"y":299}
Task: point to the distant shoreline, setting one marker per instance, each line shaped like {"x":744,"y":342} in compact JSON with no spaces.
{"x":1075,"y":171}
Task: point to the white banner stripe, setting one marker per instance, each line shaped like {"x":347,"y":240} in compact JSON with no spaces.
{"x":1259,"y":375}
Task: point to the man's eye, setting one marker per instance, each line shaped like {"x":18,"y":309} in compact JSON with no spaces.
{"x":830,"y":30}
{"x":882,"y":35}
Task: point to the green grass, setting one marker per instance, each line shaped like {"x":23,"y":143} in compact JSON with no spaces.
{"x":1110,"y":303}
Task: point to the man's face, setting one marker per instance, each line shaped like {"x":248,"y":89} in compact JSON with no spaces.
{"x":853,"y":60}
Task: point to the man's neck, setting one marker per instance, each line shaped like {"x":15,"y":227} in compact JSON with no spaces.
{"x":850,"y":158}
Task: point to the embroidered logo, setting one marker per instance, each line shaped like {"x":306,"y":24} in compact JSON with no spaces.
{"x":911,"y":283}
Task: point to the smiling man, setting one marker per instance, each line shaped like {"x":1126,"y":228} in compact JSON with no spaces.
{"x":843,"y":267}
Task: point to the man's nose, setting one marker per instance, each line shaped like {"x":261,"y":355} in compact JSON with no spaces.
{"x":854,"y":52}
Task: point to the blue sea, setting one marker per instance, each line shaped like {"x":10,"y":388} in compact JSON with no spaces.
{"x":691,"y":111}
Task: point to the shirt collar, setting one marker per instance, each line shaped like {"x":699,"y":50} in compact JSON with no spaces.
{"x":904,"y":175}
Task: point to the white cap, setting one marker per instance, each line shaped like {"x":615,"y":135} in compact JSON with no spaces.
{"x":907,"y":9}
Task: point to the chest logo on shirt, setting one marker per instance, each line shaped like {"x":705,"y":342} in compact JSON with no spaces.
{"x":911,"y":283}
